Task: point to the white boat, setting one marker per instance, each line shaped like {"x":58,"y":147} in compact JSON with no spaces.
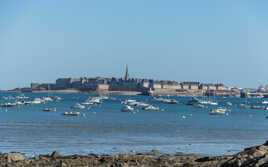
{"x":127,"y":108}
{"x":93,"y":100}
{"x":208,"y":102}
{"x":47,"y":99}
{"x":151,"y":108}
{"x":9,"y":105}
{"x":213,"y":103}
{"x":141,"y":104}
{"x":78,"y":106}
{"x":127,"y":101}
{"x":20,"y":103}
{"x":21,"y":97}
{"x":163,"y":100}
{"x":57,"y":98}
{"x":37,"y":101}
{"x":242,"y":105}
{"x":264,"y":102}
{"x":71,"y":113}
{"x":199,"y":105}
{"x":46,"y":109}
{"x":257,"y":107}
{"x":229,"y":104}
{"x":218,"y":111}
{"x":87,"y":103}
{"x":27,"y":102}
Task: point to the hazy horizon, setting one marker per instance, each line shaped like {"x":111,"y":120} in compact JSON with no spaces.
{"x":206,"y":41}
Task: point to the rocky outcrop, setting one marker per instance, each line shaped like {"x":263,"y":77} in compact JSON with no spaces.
{"x":15,"y":157}
{"x":251,"y":157}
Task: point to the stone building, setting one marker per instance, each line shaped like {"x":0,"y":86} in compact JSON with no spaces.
{"x":173,"y":85}
{"x":190,"y":85}
{"x":211,"y":87}
{"x":63,"y":83}
{"x":220,"y":87}
{"x":35,"y":85}
{"x":203,"y":86}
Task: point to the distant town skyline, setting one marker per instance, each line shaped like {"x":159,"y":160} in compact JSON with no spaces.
{"x":206,"y":41}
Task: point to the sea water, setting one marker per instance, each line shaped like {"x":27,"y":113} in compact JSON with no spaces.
{"x":104,"y":129}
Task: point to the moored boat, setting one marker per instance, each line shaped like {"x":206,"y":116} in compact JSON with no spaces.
{"x":151,"y":108}
{"x":127,"y":108}
{"x":218,"y":111}
{"x":78,"y":106}
{"x":46,"y":109}
{"x":264,"y":102}
{"x":71,"y":113}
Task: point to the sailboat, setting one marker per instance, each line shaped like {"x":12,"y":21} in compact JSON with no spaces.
{"x":208,"y":101}
{"x":46,"y":99}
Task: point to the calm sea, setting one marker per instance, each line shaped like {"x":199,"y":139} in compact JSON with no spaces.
{"x":176,"y":128}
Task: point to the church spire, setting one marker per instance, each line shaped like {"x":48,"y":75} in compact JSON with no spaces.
{"x":127,"y":75}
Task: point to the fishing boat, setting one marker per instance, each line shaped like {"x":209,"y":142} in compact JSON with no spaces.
{"x":127,"y":108}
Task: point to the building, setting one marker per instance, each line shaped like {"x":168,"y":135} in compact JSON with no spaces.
{"x":190,"y":85}
{"x":63,"y":83}
{"x":156,"y":85}
{"x":173,"y":85}
{"x":127,"y":77}
{"x":35,"y":85}
{"x":132,"y":84}
{"x":220,"y":87}
{"x":211,"y":87}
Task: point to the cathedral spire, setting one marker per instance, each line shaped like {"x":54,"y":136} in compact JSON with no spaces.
{"x":126,"y":75}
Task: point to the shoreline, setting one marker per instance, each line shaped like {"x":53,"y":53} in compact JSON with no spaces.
{"x":253,"y":156}
{"x":74,"y":91}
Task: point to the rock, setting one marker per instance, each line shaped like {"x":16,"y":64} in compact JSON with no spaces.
{"x":251,"y":157}
{"x":266,"y":143}
{"x":55,"y":155}
{"x":14,"y":157}
{"x":62,"y":164}
{"x":153,"y":152}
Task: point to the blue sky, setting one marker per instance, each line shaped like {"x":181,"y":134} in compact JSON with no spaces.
{"x":206,"y":41}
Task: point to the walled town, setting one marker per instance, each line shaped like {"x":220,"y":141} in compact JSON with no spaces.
{"x":134,"y":86}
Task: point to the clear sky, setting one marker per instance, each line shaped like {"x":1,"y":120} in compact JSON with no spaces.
{"x":208,"y":41}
